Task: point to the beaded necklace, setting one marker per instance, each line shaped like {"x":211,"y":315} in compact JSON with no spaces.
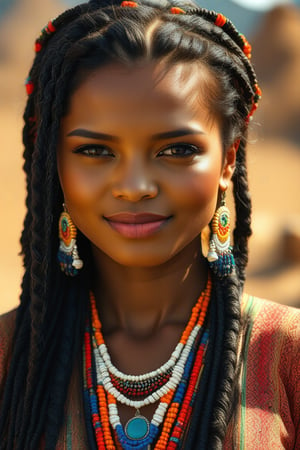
{"x":172,"y":385}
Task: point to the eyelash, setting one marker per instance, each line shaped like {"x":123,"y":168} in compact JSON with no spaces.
{"x":190,"y":150}
{"x":101,"y":151}
{"x":95,"y":151}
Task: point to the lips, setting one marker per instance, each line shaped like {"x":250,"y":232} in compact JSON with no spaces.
{"x":137,"y":225}
{"x":135,"y":218}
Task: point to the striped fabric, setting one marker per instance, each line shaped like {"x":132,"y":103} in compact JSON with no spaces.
{"x":268,"y":414}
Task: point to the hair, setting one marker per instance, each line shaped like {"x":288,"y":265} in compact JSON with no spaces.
{"x":50,"y":318}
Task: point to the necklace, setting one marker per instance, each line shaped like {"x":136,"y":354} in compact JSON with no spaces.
{"x":172,"y":385}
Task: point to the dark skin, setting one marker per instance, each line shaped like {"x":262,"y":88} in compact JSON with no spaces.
{"x":136,"y":141}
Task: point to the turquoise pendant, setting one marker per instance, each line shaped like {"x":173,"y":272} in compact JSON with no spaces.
{"x":137,"y":428}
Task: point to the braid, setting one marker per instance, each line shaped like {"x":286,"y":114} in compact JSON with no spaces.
{"x":198,"y":431}
{"x":228,"y":294}
{"x":215,"y":397}
{"x":243,"y":212}
{"x":50,"y":318}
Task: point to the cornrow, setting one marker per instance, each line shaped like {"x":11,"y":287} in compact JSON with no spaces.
{"x":50,"y":318}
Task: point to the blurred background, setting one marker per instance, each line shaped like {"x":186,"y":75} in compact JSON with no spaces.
{"x":273,"y":28}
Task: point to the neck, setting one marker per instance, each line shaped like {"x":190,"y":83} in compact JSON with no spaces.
{"x":140,"y":301}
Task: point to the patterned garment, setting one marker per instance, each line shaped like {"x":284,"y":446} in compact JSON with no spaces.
{"x":268,"y":414}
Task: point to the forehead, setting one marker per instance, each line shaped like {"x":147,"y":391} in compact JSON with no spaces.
{"x":118,"y":92}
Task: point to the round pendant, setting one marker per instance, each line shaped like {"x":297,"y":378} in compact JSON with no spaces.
{"x":137,"y":428}
{"x":67,"y":230}
{"x":221,"y":224}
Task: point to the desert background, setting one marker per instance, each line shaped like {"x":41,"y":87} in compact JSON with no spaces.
{"x":273,"y":150}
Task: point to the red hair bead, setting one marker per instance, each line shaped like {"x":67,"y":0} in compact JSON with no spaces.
{"x":50,"y":28}
{"x":38,"y":47}
{"x":176,"y":10}
{"x":220,"y":20}
{"x":29,"y":86}
{"x":129,"y":4}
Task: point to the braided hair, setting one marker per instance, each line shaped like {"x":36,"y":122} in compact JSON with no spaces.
{"x":50,"y":318}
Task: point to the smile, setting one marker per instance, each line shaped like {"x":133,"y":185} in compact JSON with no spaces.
{"x":137,"y":226}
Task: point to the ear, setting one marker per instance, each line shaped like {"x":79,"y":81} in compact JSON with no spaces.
{"x":228,"y":167}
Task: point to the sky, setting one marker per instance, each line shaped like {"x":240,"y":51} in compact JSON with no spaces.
{"x":262,"y":5}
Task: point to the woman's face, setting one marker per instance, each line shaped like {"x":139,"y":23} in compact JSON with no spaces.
{"x":141,"y":162}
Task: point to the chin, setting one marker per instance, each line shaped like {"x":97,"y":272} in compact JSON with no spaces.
{"x":152,"y":256}
{"x":144,"y":260}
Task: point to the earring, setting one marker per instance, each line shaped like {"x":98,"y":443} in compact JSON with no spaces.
{"x":220,"y":256}
{"x":67,"y":255}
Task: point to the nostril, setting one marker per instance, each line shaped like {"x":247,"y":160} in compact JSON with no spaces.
{"x":135,"y":192}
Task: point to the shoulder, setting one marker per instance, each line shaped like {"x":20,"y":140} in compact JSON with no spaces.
{"x":273,"y":326}
{"x":274,"y":317}
{"x":7,"y":328}
{"x":271,"y":354}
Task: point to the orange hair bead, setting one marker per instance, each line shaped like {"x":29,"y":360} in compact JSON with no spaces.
{"x":220,"y":20}
{"x":129,"y":4}
{"x":176,"y":10}
{"x":258,"y":91}
{"x":247,"y":49}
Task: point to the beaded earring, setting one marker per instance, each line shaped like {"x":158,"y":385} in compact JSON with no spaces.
{"x":67,"y":255}
{"x":220,"y":256}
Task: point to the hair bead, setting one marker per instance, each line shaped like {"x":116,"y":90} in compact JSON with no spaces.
{"x":220,"y":20}
{"x":47,"y":30}
{"x":258,"y":93}
{"x":255,"y":100}
{"x":129,"y":4}
{"x":50,"y":28}
{"x":29,"y":86}
{"x":38,"y":46}
{"x":176,"y":10}
{"x":247,"y":49}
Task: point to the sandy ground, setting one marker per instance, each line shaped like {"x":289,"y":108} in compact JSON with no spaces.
{"x":274,"y":168}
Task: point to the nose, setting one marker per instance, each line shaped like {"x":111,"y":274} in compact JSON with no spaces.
{"x":134,"y":181}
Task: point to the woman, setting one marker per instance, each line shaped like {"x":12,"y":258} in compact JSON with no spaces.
{"x":130,"y":332}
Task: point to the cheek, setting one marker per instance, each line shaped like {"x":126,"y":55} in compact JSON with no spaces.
{"x":198,"y":188}
{"x":79,"y":185}
{"x":79,"y":196}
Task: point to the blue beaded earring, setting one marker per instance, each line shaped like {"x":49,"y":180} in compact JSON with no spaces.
{"x":67,"y":255}
{"x":220,"y":256}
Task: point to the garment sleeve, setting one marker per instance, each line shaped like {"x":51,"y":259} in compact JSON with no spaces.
{"x":269,"y":413}
{"x":290,"y":370}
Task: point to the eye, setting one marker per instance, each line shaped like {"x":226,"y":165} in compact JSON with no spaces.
{"x":180,"y":151}
{"x":95,"y":151}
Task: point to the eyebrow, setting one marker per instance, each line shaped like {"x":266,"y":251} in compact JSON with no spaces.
{"x":176,"y":133}
{"x":93,"y":135}
{"x":155,"y":137}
